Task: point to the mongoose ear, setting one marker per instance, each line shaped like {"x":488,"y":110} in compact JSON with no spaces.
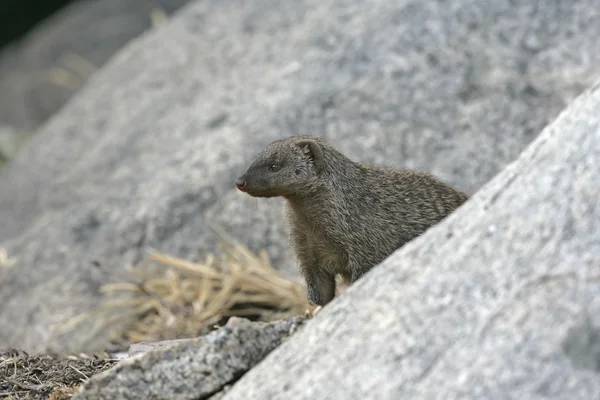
{"x":313,"y":150}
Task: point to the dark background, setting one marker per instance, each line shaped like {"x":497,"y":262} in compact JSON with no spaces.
{"x":17,"y":17}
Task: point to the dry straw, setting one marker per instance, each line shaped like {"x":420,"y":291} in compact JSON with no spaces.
{"x":168,"y":298}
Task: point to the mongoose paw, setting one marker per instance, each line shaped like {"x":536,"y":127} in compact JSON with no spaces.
{"x":312,"y":310}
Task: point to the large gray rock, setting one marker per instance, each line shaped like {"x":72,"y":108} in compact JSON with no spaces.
{"x":147,"y":153}
{"x":39,"y":73}
{"x":499,"y":301}
{"x":192,"y":369}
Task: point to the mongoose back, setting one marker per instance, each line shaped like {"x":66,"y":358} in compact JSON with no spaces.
{"x":344,"y":217}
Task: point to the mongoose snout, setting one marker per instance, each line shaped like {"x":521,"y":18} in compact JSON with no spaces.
{"x":344,"y":217}
{"x":241,"y":184}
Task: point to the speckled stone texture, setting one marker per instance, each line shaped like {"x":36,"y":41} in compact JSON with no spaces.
{"x":193,"y":369}
{"x":147,"y":153}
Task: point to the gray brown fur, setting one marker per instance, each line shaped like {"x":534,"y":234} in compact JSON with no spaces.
{"x":345,"y":217}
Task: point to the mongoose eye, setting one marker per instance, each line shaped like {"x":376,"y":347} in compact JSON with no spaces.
{"x":274,"y":167}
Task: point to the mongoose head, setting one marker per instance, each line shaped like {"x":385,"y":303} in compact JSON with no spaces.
{"x":284,"y":168}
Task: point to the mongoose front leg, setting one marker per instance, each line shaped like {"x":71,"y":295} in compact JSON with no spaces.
{"x":320,"y":286}
{"x":357,"y":270}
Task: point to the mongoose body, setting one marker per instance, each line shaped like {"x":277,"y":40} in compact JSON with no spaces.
{"x":344,"y":217}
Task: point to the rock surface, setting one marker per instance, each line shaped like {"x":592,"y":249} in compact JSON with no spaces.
{"x":51,"y":63}
{"x":499,"y":301}
{"x":146,"y":154}
{"x":193,"y":369}
{"x":143,"y":347}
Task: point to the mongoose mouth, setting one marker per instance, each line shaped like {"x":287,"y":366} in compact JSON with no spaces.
{"x":259,"y":192}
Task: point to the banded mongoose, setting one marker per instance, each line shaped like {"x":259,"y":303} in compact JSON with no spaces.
{"x":344,"y":217}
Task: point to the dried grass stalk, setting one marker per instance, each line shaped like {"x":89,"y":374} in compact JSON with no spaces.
{"x":171,"y":298}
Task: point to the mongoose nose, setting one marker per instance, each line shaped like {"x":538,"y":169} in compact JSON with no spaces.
{"x":241,"y":184}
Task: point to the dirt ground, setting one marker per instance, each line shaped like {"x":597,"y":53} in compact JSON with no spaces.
{"x":29,"y":377}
